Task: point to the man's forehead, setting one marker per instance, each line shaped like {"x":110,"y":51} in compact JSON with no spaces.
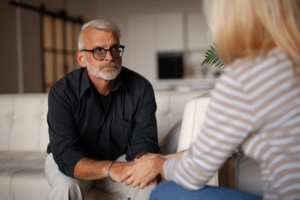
{"x":93,"y":35}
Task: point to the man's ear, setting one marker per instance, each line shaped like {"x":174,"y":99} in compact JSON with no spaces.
{"x":80,"y":58}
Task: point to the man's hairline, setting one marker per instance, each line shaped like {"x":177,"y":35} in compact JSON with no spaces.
{"x":80,"y":37}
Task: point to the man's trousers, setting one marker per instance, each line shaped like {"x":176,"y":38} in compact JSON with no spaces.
{"x":66,"y":188}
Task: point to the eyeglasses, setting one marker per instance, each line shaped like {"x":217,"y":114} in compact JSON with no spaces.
{"x":100,"y":53}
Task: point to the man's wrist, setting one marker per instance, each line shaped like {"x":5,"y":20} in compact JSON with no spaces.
{"x":141,"y":155}
{"x":108,"y":171}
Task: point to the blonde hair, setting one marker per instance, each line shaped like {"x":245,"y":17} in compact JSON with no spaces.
{"x":99,"y":24}
{"x":244,"y":27}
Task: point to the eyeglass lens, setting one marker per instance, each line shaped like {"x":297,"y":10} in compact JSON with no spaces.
{"x":116,"y":52}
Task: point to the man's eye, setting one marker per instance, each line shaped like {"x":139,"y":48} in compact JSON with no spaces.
{"x":114,"y":48}
{"x":97,"y":50}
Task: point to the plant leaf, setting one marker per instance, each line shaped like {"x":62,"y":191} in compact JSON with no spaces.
{"x":212,"y":58}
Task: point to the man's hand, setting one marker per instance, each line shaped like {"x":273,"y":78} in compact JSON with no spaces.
{"x":144,"y":171}
{"x":140,"y":155}
{"x":157,"y":180}
{"x":120,"y":168}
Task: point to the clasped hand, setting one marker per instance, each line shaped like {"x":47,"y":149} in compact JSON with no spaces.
{"x":145,"y":171}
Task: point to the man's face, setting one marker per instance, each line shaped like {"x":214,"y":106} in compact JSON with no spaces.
{"x":108,"y":68}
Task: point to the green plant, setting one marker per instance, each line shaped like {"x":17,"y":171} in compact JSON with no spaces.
{"x":211,"y":58}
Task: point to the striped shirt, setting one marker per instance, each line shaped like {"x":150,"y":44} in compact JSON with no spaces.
{"x":256,"y":104}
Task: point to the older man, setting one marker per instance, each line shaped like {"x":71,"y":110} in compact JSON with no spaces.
{"x":97,"y":114}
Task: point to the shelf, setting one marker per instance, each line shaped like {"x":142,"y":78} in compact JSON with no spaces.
{"x":183,"y":85}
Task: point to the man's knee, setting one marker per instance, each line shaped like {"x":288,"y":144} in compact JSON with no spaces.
{"x":69,"y":184}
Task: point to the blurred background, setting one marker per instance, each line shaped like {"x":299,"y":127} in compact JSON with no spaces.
{"x":165,"y":41}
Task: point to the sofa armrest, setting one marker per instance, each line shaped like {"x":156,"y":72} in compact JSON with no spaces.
{"x":193,"y":118}
{"x":247,"y":176}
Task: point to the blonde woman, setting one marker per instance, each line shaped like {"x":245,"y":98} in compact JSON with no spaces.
{"x":255,"y":103}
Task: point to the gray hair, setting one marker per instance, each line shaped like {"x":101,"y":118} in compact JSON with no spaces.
{"x":99,"y":24}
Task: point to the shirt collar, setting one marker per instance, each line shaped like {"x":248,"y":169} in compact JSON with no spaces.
{"x":119,"y":82}
{"x":86,"y":83}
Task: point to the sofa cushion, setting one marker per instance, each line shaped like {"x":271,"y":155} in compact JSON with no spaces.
{"x":247,"y":176}
{"x":19,"y":171}
{"x":23,"y":182}
{"x":169,"y":143}
{"x":23,"y":125}
{"x":193,"y":118}
{"x":30,"y":160}
{"x":170,"y":107}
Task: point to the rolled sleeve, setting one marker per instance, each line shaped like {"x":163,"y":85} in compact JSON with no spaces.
{"x":144,"y":135}
{"x":64,"y":140}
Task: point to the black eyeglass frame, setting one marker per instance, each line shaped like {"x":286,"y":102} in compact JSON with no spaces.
{"x":93,"y":50}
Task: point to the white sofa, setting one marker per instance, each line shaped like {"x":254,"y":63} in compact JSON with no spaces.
{"x":24,"y":138}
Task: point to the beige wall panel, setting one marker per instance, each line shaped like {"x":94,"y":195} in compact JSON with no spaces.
{"x":141,"y":55}
{"x":58,"y":34}
{"x":8,"y":50}
{"x":169,"y":32}
{"x":76,"y":31}
{"x":32,"y":52}
{"x":49,"y":71}
{"x":59,"y":65}
{"x":47,"y":31}
{"x":70,"y":36}
{"x":70,"y":64}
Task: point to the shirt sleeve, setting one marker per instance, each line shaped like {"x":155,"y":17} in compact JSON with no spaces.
{"x":229,"y":120}
{"x":144,"y":135}
{"x":63,"y":134}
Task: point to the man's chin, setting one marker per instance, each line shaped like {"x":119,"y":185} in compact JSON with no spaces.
{"x":109,"y":75}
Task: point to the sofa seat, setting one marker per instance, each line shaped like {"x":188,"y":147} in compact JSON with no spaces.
{"x":22,"y":175}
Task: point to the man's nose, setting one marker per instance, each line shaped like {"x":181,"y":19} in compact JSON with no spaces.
{"x":108,"y":56}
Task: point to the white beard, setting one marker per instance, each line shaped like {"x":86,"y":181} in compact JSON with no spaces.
{"x":106,"y":74}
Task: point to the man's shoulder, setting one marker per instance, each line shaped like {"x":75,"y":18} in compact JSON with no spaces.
{"x":69,"y":83}
{"x":132,"y":78}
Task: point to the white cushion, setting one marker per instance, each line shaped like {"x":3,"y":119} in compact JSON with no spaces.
{"x":29,"y":184}
{"x":170,"y":107}
{"x":31,"y":159}
{"x":6,"y":120}
{"x":23,"y":124}
{"x":193,"y":118}
{"x":169,"y":143}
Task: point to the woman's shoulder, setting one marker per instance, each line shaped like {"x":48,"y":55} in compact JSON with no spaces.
{"x":259,"y":65}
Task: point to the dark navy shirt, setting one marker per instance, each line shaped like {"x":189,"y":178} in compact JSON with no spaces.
{"x":79,"y":128}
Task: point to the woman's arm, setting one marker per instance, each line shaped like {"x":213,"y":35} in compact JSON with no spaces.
{"x":174,"y":155}
{"x":229,"y":120}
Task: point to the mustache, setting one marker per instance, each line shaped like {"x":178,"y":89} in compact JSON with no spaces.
{"x":109,"y":64}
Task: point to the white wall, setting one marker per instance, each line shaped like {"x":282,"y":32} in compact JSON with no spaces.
{"x":153,"y":26}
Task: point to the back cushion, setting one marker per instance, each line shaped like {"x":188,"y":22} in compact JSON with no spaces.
{"x":23,"y":125}
{"x":170,"y":107}
{"x":6,"y":120}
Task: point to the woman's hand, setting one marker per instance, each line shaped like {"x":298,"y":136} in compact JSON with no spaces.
{"x":144,"y":171}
